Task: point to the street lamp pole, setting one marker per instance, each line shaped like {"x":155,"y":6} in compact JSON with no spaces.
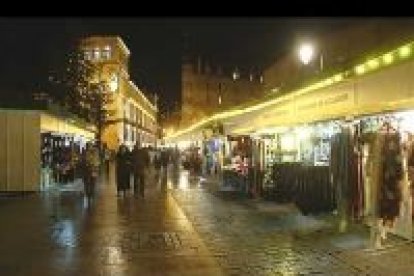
{"x":321,"y":62}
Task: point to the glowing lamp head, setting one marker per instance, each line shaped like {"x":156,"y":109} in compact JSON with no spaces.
{"x":306,"y":53}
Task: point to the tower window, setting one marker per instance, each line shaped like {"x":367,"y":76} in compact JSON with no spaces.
{"x":236,"y":74}
{"x":106,"y":53}
{"x":96,"y":53}
{"x":125,"y":132}
{"x":131,"y":110}
{"x":87,"y":55}
{"x":126,"y":110}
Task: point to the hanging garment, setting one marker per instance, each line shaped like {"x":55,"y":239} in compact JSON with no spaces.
{"x":410,"y":168}
{"x":339,"y":170}
{"x":346,"y":174}
{"x":356,"y":199}
{"x":366,"y":179}
{"x":389,"y":191}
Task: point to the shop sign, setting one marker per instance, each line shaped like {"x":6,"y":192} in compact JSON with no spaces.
{"x":336,"y":99}
{"x":267,"y":136}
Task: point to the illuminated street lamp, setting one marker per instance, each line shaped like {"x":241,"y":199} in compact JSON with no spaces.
{"x":307,"y":53}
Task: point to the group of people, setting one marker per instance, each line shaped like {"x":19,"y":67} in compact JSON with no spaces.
{"x":61,"y":159}
{"x":135,"y":164}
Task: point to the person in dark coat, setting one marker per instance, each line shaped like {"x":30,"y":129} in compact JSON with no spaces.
{"x":122,"y":170}
{"x":165,"y":160}
{"x":157,"y":165}
{"x":140,"y":163}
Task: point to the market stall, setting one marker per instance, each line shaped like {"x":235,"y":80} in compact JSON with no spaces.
{"x":235,"y":170}
{"x":23,"y":149}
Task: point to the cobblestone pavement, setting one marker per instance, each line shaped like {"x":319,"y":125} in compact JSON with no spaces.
{"x":58,"y":233}
{"x":186,"y":229}
{"x":266,"y":239}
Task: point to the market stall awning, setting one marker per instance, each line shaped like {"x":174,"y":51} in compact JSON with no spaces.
{"x":375,"y":85}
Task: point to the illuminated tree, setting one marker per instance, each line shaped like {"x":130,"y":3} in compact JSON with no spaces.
{"x":82,"y":91}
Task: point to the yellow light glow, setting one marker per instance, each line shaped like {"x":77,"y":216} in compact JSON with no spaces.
{"x":272,"y":130}
{"x":306,"y":53}
{"x":404,"y":51}
{"x":288,"y":142}
{"x":360,"y":69}
{"x":233,"y":113}
{"x":183,"y":144}
{"x":388,"y":58}
{"x":338,"y":77}
{"x":406,"y":120}
{"x":303,"y":133}
{"x":373,"y":63}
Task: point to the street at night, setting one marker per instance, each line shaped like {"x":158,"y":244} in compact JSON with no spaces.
{"x":184,"y":229}
{"x":207,"y":146}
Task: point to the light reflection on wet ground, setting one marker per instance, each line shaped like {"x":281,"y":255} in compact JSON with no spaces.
{"x":269,"y":239}
{"x":59,"y":233}
{"x":193,"y":232}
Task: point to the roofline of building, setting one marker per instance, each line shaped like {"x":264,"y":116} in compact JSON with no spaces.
{"x":369,"y":65}
{"x":123,"y":45}
{"x":69,"y":117}
{"x":118,"y":39}
{"x":143,"y":96}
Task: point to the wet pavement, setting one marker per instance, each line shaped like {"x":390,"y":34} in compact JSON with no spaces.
{"x":249,"y":237}
{"x":58,"y":233}
{"x":182,"y":227}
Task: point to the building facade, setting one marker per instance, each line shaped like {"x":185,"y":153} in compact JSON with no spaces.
{"x":206,"y":90}
{"x":134,"y":118}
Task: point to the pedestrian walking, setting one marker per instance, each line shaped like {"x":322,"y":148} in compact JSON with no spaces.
{"x":157,"y":165}
{"x":140,"y":163}
{"x":165,"y":160}
{"x":176,"y":159}
{"x":90,"y":169}
{"x":107,"y":158}
{"x":123,"y":170}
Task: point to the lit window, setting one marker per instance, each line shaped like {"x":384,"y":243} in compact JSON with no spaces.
{"x":125,"y":132}
{"x":131,"y":110}
{"x":236,"y":75}
{"x":87,"y":55}
{"x":106,"y":53}
{"x":126,"y":111}
{"x":96,"y":53}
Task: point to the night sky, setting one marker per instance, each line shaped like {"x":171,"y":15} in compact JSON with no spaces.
{"x":31,"y":48}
